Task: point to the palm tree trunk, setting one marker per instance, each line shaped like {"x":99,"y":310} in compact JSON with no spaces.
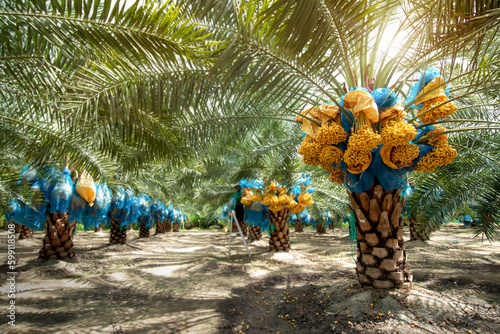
{"x":168,"y":225}
{"x":279,"y":238}
{"x":381,"y":261}
{"x":160,"y":227}
{"x":17,"y":227}
{"x":143,"y":231}
{"x":254,"y":233}
{"x":98,"y":228}
{"x":320,"y":228}
{"x":299,"y":226}
{"x":26,"y":233}
{"x":243,"y":227}
{"x":58,"y":241}
{"x":415,"y":233}
{"x":117,"y":235}
{"x":176,"y":227}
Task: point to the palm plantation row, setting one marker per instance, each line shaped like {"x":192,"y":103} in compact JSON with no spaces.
{"x":182,"y":99}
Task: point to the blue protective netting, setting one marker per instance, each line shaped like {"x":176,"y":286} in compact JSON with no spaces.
{"x":144,"y":205}
{"x":29,"y":175}
{"x":429,"y":75}
{"x":102,"y":203}
{"x":170,"y":212}
{"x":60,"y":196}
{"x":465,"y":219}
{"x":76,"y":207}
{"x":384,"y":98}
{"x":34,"y":218}
{"x":293,"y":218}
{"x":255,"y":214}
{"x":11,"y":210}
{"x":147,"y":220}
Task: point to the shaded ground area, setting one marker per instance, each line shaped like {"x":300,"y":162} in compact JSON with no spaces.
{"x":184,"y":283}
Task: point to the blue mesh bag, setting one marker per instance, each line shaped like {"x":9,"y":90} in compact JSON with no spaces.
{"x":147,"y":220}
{"x":155,"y":209}
{"x":60,"y":196}
{"x":254,"y":215}
{"x":384,"y":98}
{"x":171,"y":213}
{"x":19,"y":213}
{"x":293,"y":218}
{"x":90,"y":218}
{"x":265,"y":219}
{"x":225,"y":211}
{"x":117,"y":203}
{"x":130,"y":211}
{"x":389,"y":178}
{"x":34,"y":218}
{"x":296,"y":190}
{"x":143,"y":205}
{"x":11,"y":210}
{"x":358,"y":183}
{"x":76,"y":207}
{"x":29,"y":175}
{"x":303,"y":215}
{"x":429,"y":75}
{"x":345,"y":123}
{"x":102,"y":202}
{"x":307,"y":219}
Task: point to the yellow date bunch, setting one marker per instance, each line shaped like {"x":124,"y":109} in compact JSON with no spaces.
{"x":378,"y":125}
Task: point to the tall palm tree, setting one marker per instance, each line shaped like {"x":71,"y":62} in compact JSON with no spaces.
{"x":178,"y":85}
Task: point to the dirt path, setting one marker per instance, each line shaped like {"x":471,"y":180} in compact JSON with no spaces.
{"x":184,"y":283}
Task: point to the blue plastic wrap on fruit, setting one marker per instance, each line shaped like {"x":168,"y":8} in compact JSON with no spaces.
{"x":90,"y":219}
{"x":60,"y":196}
{"x":303,"y":215}
{"x":358,"y":183}
{"x":34,"y":217}
{"x":384,"y":98}
{"x":345,"y":123}
{"x":12,"y":208}
{"x":429,"y":75}
{"x":76,"y":207}
{"x":19,"y":213}
{"x":389,"y":178}
{"x":293,"y":218}
{"x":253,"y":214}
{"x":143,"y":202}
{"x":118,"y":199}
{"x":147,"y":220}
{"x":102,"y":202}
{"x":29,"y":175}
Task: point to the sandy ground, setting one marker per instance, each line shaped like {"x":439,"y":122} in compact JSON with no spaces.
{"x":185,"y":283}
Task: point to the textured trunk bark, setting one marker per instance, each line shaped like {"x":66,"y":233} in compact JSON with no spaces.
{"x":299,"y":226}
{"x":254,"y":233}
{"x":58,"y":241}
{"x":381,"y":261}
{"x":415,"y":234}
{"x":17,"y":228}
{"x":320,"y":228}
{"x":279,"y":236}
{"x":243,"y":227}
{"x":168,"y":225}
{"x":143,"y":231}
{"x":176,"y":227}
{"x":160,"y":227}
{"x":98,"y":228}
{"x":26,"y":233}
{"x":117,"y":235}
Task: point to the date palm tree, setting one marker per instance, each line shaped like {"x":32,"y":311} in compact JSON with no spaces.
{"x":177,"y":79}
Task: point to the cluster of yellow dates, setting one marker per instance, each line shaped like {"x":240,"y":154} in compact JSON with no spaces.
{"x":276,"y":197}
{"x":373,"y":128}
